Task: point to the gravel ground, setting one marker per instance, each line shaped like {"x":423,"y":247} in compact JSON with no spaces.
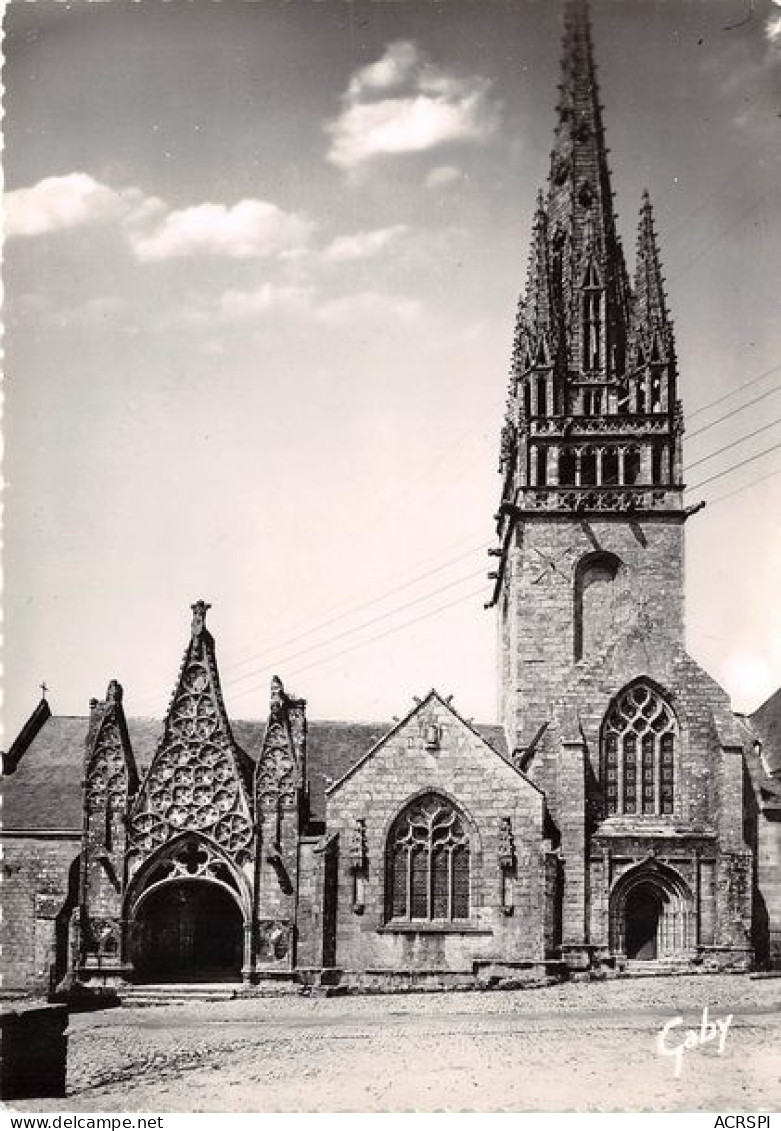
{"x":584,"y":1047}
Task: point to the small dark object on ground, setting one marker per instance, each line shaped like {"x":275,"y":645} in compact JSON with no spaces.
{"x":34,"y":1051}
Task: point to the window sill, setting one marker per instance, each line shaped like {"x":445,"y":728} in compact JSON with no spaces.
{"x":423,"y":927}
{"x":623,"y":824}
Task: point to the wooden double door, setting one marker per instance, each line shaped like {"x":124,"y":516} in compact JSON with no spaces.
{"x":190,"y":931}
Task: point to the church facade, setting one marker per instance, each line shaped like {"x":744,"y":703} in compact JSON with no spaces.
{"x":619,"y":813}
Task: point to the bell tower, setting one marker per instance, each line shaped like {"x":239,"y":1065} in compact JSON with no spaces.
{"x":590,"y":522}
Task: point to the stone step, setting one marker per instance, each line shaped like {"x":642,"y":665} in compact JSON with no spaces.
{"x":183,"y":987}
{"x":163,"y":993}
{"x":656,"y":969}
{"x":178,"y":993}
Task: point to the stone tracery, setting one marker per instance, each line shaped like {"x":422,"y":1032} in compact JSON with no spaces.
{"x":107,"y":772}
{"x":193,"y":782}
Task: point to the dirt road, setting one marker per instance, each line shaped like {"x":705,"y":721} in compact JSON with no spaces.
{"x":571,"y":1047}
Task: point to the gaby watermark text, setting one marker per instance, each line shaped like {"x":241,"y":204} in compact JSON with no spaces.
{"x":675,"y":1041}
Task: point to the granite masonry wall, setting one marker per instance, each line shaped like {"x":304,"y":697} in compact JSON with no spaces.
{"x":537,"y":614}
{"x":507,"y":919}
{"x":39,"y":891}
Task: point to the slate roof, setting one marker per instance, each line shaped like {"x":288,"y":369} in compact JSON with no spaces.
{"x":764,"y":763}
{"x":44,"y":792}
{"x":766,"y":723}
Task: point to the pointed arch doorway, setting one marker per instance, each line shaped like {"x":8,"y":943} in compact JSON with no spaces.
{"x":652,"y":913}
{"x":188,"y":931}
{"x":641,"y":928}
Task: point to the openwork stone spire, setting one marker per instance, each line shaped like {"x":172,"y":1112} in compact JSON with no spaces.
{"x":110,"y":781}
{"x":592,"y":421}
{"x":652,"y":327}
{"x":199,"y":777}
{"x":279,"y":775}
{"x":538,"y":320}
{"x":581,"y":220}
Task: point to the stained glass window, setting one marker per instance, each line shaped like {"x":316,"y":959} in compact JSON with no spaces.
{"x":638,"y":753}
{"x":429,"y":863}
{"x":611,"y":773}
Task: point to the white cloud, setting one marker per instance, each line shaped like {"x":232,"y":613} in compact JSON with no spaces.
{"x":248,"y":229}
{"x":443,"y":175}
{"x":430,"y":108}
{"x":362,"y":245}
{"x":394,"y":68}
{"x":251,"y":228}
{"x":367,"y":304}
{"x":238,"y":306}
{"x":70,"y":201}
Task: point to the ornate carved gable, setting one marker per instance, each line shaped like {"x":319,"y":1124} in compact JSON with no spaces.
{"x":280,"y":771}
{"x":198,"y":777}
{"x":110,"y":769}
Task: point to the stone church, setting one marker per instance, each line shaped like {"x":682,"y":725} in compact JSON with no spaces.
{"x":619,"y":814}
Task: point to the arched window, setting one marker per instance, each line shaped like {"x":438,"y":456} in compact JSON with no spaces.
{"x":595,"y":577}
{"x":566,"y":466}
{"x":610,"y":467}
{"x":638,"y":753}
{"x":631,"y":466}
{"x":428,"y":862}
{"x":656,"y":395}
{"x":656,"y":464}
{"x":592,"y":330}
{"x":542,"y":396}
{"x":541,"y":466}
{"x":588,"y":468}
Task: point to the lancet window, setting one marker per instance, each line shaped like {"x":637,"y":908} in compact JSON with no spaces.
{"x":638,"y":760}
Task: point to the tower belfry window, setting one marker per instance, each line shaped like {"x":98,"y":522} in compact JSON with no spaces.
{"x":592,"y":330}
{"x":542,"y":396}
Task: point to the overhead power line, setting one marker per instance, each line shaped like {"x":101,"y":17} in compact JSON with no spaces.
{"x":278,"y":662}
{"x":373,"y":640}
{"x":362,"y":605}
{"x":343,"y":615}
{"x":728,"y":415}
{"x":729,"y":470}
{"x":732,"y":444}
{"x":733,"y":392}
{"x":746,"y":487}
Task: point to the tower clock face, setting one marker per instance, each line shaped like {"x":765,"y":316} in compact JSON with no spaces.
{"x":552,"y":565}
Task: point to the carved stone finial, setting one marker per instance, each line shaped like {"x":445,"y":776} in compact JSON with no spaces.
{"x":277,"y":697}
{"x":358,"y":843}
{"x":200,"y":609}
{"x":114,"y":692}
{"x":507,"y":442}
{"x":506,"y":843}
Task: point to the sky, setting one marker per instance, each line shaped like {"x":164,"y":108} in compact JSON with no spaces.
{"x":261,"y":266}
